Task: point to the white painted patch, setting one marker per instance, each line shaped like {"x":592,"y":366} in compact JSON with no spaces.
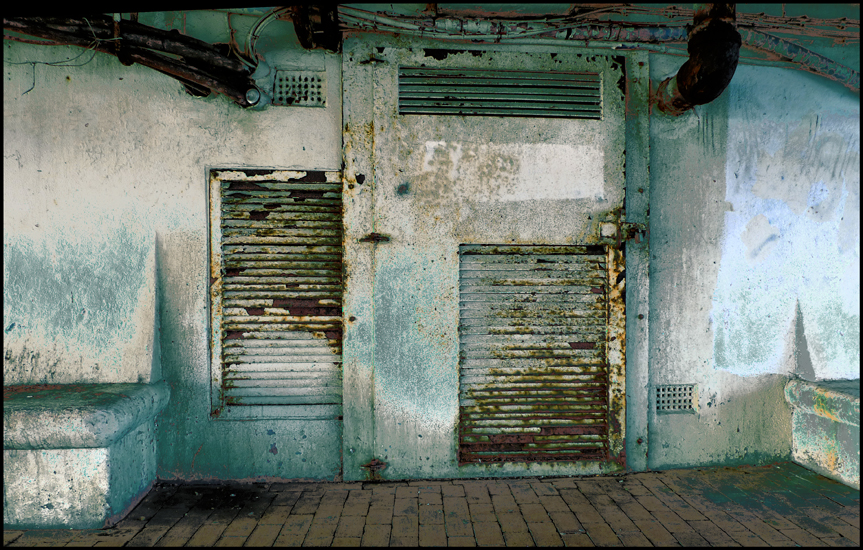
{"x":543,"y":171}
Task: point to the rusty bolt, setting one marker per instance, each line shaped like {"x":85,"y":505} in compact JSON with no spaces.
{"x":352,"y":319}
{"x":640,"y":316}
{"x":639,"y":441}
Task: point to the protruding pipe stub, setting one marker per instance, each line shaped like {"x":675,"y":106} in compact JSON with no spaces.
{"x":714,"y":50}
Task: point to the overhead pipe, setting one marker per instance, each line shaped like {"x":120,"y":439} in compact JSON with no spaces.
{"x":714,"y":50}
{"x":609,"y":35}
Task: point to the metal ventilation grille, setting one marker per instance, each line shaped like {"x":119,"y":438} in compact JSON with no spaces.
{"x":300,"y":88}
{"x":533,"y":370}
{"x":474,"y":92}
{"x":675,"y":398}
{"x":281,"y":267}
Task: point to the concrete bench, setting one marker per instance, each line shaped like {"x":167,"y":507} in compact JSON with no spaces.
{"x":77,"y":456}
{"x":825,"y":428}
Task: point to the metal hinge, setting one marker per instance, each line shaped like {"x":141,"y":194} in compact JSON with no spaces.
{"x":375,"y":238}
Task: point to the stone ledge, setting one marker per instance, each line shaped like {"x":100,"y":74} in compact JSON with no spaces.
{"x":77,"y":416}
{"x":825,"y":427}
{"x":836,"y":400}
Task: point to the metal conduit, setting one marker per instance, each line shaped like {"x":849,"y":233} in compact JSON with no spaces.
{"x":616,"y":37}
{"x":714,"y":49}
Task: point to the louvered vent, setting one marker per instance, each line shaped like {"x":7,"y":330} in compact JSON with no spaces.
{"x":300,"y":88}
{"x":280,"y":327}
{"x":475,"y":92}
{"x":533,"y":371}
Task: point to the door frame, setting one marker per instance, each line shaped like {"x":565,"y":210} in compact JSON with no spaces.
{"x":359,"y":135}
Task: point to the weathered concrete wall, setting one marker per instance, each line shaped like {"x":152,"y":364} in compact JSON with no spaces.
{"x":79,"y":305}
{"x":755,"y":209}
{"x":105,"y":215}
{"x":791,"y":242}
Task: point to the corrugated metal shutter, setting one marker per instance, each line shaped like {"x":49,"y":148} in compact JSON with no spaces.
{"x":281,"y":267}
{"x":533,"y":370}
{"x":476,"y":92}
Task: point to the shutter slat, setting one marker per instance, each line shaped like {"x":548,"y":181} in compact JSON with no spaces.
{"x":533,"y":371}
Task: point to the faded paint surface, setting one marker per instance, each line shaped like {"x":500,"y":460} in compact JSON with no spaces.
{"x":77,"y":416}
{"x":793,"y":234}
{"x":104,"y":165}
{"x":100,"y":169}
{"x":74,"y":496}
{"x":754,"y":248}
{"x":637,"y":251}
{"x":516,"y":171}
{"x":77,"y":455}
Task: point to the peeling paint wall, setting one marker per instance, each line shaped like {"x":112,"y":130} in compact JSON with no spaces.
{"x":105,"y":219}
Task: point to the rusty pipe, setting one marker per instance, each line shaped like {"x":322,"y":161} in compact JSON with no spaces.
{"x":714,"y":50}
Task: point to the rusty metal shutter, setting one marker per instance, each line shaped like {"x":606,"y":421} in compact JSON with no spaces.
{"x":477,"y":92}
{"x":533,"y":370}
{"x":277,"y":320}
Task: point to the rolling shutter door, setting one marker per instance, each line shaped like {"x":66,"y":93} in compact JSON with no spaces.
{"x":277,"y":260}
{"x":533,"y":370}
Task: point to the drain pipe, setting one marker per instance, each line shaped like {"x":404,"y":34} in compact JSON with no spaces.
{"x":714,"y":49}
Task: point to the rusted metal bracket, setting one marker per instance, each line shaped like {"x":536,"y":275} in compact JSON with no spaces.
{"x":631,"y":230}
{"x":374,"y":467}
{"x":372,"y":59}
{"x":375,"y":238}
{"x":618,"y":233}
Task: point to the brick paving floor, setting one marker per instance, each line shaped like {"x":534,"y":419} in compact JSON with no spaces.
{"x":778,"y":505}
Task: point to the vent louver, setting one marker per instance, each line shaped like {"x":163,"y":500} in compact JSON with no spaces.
{"x":533,"y":371}
{"x":280,"y":261}
{"x":475,"y":92}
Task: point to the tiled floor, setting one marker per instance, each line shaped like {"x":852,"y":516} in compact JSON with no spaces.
{"x":777,"y":505}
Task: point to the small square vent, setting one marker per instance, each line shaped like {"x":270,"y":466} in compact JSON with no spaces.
{"x":300,"y":88}
{"x":676,"y":398}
